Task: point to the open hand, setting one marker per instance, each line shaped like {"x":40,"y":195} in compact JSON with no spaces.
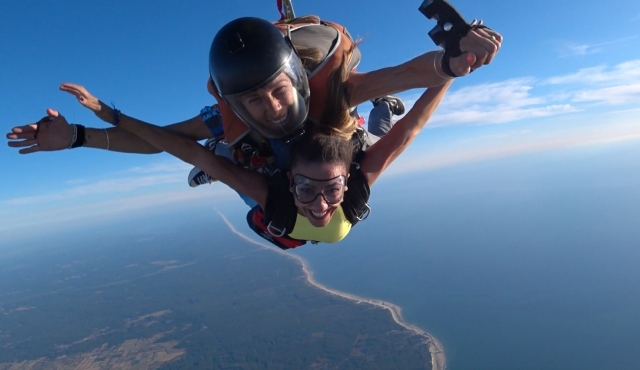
{"x":51,"y":133}
{"x":89,"y":101}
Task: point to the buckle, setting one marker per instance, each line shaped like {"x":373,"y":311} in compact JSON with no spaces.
{"x":363,"y":216}
{"x":280,"y":232}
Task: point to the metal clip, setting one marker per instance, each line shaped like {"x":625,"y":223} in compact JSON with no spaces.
{"x":276,"y":232}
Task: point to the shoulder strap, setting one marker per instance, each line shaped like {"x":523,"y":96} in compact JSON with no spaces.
{"x":233,"y":127}
{"x":280,"y":210}
{"x":255,"y":219}
{"x":355,"y":205}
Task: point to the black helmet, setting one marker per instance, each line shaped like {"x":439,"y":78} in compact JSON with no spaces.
{"x":247,"y":54}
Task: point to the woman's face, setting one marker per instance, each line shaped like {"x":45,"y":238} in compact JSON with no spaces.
{"x":270,"y":105}
{"x":328,"y":182}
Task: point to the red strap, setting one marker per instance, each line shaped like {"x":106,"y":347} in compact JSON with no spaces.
{"x":255,"y":219}
{"x":282,"y":16}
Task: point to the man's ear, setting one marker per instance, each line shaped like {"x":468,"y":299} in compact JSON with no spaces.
{"x":210,"y":88}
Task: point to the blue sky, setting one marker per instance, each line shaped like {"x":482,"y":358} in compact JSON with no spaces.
{"x":568,"y":76}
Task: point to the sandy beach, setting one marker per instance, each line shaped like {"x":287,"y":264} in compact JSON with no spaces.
{"x":438,"y":359}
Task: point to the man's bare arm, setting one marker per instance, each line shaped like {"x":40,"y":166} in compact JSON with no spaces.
{"x":52,"y":133}
{"x":479,"y":48}
{"x":119,"y":140}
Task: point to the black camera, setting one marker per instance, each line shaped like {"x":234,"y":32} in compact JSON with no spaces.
{"x":451,"y":26}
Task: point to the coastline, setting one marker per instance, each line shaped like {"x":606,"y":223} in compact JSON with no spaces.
{"x":438,"y":359}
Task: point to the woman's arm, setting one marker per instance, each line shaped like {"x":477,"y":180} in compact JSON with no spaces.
{"x":240,"y":179}
{"x":381,"y":154}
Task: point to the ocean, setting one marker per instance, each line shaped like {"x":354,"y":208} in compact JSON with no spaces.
{"x":529,"y":262}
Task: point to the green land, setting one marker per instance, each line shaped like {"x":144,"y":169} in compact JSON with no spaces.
{"x":177,"y":302}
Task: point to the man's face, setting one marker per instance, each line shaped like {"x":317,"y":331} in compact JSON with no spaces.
{"x":271,"y":104}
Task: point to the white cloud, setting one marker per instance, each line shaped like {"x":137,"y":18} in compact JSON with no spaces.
{"x":575,"y":49}
{"x":622,"y":73}
{"x":170,"y":166}
{"x":94,"y":200}
{"x":501,"y":114}
{"x":501,"y":102}
{"x":515,"y":92}
{"x":572,"y":49}
{"x":525,"y":98}
{"x":153,"y":175}
{"x":84,"y":213}
{"x":615,"y":95}
{"x":101,"y":187}
{"x":604,"y":128}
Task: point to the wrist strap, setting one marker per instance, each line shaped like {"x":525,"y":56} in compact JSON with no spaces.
{"x":445,"y":65}
{"x":78,"y":139}
{"x":212,"y":118}
{"x":116,"y":114}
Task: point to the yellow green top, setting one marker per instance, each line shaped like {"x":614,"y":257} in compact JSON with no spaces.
{"x":335,"y":231}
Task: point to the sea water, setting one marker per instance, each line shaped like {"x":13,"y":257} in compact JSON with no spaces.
{"x":529,"y":262}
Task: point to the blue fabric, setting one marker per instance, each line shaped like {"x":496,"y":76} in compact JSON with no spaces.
{"x":212,"y":118}
{"x":281,"y":149}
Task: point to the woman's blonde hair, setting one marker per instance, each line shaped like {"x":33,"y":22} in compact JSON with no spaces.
{"x":310,"y":57}
{"x":337,"y":119}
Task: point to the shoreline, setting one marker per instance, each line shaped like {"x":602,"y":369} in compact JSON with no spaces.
{"x":438,"y":360}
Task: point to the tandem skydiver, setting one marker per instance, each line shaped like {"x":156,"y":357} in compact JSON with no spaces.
{"x":320,"y":42}
{"x":275,"y":107}
{"x":326,"y":188}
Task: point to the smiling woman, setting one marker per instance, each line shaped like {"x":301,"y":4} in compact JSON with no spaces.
{"x":318,"y":178}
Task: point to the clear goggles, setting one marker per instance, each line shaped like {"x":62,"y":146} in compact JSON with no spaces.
{"x":297,"y":111}
{"x":307,"y":189}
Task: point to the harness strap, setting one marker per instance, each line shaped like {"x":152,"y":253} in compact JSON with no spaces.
{"x":280,"y":210}
{"x":355,"y":205}
{"x":279,"y":5}
{"x":255,"y":219}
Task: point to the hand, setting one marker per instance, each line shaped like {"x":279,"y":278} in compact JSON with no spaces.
{"x":89,"y":101}
{"x":51,"y":133}
{"x":479,"y":47}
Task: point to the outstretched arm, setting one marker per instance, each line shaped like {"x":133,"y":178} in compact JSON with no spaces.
{"x":479,"y":48}
{"x":240,"y":179}
{"x":381,"y":154}
{"x":52,"y":134}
